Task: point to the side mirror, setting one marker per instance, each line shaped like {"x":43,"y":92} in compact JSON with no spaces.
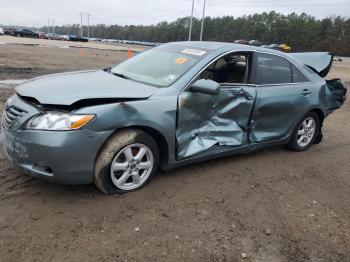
{"x":206,"y":86}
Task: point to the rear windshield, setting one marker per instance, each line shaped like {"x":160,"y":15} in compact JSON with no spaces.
{"x":160,"y":66}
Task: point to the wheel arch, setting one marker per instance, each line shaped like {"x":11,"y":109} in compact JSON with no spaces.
{"x":157,"y":136}
{"x":320,"y":114}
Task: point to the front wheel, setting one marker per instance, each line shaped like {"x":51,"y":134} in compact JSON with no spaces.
{"x":305,"y":133}
{"x":126,"y":162}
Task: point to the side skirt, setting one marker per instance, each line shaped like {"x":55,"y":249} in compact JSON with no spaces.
{"x":219,"y":153}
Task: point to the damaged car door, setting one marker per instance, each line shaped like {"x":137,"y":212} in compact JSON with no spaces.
{"x":283,"y":96}
{"x":207,"y":122}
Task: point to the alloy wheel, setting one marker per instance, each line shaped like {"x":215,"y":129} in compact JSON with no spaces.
{"x":306,"y":132}
{"x":132,"y":166}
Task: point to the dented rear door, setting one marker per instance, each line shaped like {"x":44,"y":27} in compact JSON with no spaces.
{"x":208,"y":122}
{"x":277,"y":110}
{"x":284,"y":96}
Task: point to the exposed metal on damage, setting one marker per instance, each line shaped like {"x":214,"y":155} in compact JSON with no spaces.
{"x":338,"y":90}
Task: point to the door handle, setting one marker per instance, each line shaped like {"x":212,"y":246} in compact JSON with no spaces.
{"x":241,"y":92}
{"x":306,"y":92}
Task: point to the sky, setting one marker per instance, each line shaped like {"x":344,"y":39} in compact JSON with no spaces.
{"x":38,"y":13}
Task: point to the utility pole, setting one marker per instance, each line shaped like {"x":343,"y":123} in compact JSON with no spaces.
{"x":53,"y":26}
{"x":48,"y":25}
{"x":88,"y":24}
{"x":201,"y":36}
{"x":81,"y":24}
{"x":191,"y":22}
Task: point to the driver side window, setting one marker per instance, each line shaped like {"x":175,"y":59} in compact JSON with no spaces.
{"x":230,"y":69}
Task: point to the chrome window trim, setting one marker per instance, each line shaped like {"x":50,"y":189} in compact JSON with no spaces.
{"x":250,"y":85}
{"x":283,"y":84}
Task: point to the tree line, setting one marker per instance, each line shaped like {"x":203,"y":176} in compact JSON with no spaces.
{"x":302,"y":32}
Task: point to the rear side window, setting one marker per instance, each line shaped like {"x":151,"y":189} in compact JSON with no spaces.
{"x":272,"y":69}
{"x":297,"y":76}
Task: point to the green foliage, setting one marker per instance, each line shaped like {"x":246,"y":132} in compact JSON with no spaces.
{"x":301,"y":32}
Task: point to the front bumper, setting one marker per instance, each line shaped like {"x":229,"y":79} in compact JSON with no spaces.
{"x":62,"y":157}
{"x":66,"y":157}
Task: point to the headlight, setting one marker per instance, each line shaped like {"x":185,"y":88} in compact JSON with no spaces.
{"x":58,"y":121}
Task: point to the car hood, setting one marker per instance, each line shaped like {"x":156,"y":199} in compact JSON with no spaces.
{"x":69,"y":88}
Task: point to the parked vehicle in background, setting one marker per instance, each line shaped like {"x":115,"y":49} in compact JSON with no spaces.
{"x":42,"y":35}
{"x":285,"y":48}
{"x":241,"y":42}
{"x":1,"y":31}
{"x":77,"y":38}
{"x":172,"y":105}
{"x":65,"y":37}
{"x":275,"y":47}
{"x":52,"y":36}
{"x":25,"y":33}
{"x":9,"y":30}
{"x":255,"y":43}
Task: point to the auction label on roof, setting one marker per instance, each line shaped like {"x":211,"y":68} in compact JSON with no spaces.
{"x":193,"y":52}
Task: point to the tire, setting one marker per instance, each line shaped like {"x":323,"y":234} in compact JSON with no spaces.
{"x":299,"y":144}
{"x":130,"y":172}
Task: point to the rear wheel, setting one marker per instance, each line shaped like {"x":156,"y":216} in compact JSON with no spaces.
{"x":305,"y":133}
{"x":126,"y":162}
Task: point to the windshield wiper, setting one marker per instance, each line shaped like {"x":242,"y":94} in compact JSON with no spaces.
{"x":122,"y":76}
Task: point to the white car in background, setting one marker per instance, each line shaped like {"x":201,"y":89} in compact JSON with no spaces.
{"x":65,"y":37}
{"x":1,"y":31}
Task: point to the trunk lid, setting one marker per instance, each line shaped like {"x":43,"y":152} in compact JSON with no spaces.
{"x":320,"y":62}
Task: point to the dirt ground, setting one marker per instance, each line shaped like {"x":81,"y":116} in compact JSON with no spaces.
{"x":64,"y":44}
{"x":271,"y":205}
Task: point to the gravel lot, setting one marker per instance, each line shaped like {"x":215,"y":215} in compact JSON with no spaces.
{"x":271,"y":205}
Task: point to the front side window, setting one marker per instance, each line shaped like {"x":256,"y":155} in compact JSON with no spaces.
{"x":160,"y":66}
{"x":232,"y":68}
{"x":271,"y":69}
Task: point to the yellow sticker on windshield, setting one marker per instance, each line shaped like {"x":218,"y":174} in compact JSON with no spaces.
{"x":180,"y":60}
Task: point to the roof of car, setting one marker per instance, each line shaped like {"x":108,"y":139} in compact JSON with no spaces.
{"x":202,"y":44}
{"x":218,"y":45}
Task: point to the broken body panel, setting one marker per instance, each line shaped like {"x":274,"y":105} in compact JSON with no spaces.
{"x":205,"y":121}
{"x":248,"y":115}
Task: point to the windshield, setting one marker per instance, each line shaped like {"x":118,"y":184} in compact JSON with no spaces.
{"x":160,"y":66}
